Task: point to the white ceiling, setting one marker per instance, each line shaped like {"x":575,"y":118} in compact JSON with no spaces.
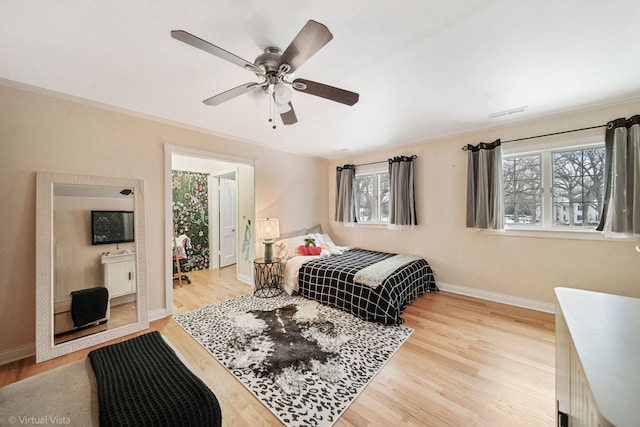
{"x":423,"y":68}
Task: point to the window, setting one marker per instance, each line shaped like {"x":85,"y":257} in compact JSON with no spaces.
{"x":578,"y":187}
{"x":372,"y":197}
{"x":522,"y":180}
{"x":559,"y":189}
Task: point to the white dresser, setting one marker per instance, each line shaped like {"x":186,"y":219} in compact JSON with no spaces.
{"x":597,"y":359}
{"x":119,"y":274}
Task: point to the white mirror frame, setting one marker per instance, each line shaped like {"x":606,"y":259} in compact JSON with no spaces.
{"x":45,"y":347}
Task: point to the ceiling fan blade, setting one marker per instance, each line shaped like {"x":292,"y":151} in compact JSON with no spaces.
{"x":311,"y":38}
{"x":230,"y":94}
{"x":194,"y":41}
{"x":326,"y":91}
{"x":289,"y":117}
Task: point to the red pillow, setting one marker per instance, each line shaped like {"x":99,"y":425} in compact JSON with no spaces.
{"x":314,"y":250}
{"x":303,"y":250}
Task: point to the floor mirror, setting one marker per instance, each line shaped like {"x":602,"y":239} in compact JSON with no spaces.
{"x":91,"y":269}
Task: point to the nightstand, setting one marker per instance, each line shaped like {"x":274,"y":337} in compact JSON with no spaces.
{"x":268,"y":277}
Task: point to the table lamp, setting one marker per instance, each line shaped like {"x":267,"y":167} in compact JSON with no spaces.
{"x":269,"y":231}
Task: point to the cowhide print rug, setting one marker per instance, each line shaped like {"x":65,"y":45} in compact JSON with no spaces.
{"x":304,"y":361}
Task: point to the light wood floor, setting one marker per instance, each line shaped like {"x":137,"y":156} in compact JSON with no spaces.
{"x":469,"y":363}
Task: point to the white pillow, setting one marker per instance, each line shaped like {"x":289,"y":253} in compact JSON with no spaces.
{"x":327,"y":244}
{"x":286,"y":249}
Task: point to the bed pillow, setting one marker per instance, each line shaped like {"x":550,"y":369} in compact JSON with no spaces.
{"x":286,"y":249}
{"x":314,"y":250}
{"x":311,"y":251}
{"x":301,"y":232}
{"x":291,"y":234}
{"x":324,"y":239}
{"x":316,"y":229}
{"x":325,"y":242}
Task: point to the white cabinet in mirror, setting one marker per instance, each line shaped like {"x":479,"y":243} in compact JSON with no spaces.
{"x":119,"y":273}
{"x":91,"y":269}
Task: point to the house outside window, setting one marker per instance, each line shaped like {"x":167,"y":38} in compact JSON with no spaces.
{"x":557,"y":188}
{"x":372,"y":197}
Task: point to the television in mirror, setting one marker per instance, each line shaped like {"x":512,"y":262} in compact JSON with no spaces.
{"x":111,"y":227}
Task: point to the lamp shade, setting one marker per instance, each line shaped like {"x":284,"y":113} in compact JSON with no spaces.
{"x":281,"y":93}
{"x":257,"y":94}
{"x":283,"y":108}
{"x":268,"y":229}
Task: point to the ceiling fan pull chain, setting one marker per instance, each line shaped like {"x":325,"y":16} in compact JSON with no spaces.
{"x":272,"y":107}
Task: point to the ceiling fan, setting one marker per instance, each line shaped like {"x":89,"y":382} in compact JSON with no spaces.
{"x":275,"y":68}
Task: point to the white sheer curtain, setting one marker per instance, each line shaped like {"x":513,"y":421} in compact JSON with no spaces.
{"x":402,"y":200}
{"x":485,"y":207}
{"x":345,"y":194}
{"x":621,"y":208}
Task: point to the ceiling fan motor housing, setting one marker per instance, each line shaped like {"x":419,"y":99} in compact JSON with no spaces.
{"x":268,"y":61}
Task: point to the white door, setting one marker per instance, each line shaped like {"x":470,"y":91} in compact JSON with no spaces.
{"x":227,"y":220}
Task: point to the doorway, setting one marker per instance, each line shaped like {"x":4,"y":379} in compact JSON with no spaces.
{"x":230,"y":208}
{"x":227,"y":227}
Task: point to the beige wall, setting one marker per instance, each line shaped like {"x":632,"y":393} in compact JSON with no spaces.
{"x":521,"y":267}
{"x":44,"y":133}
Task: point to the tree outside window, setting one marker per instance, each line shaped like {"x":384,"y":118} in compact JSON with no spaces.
{"x":522,"y":190}
{"x":372,"y":197}
{"x":578,"y":187}
{"x":364,"y":197}
{"x":575,"y":178}
{"x":383,"y":191}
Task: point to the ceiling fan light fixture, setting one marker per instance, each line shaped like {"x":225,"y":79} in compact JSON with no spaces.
{"x":257,"y":94}
{"x":281,"y":93}
{"x":283,"y":108}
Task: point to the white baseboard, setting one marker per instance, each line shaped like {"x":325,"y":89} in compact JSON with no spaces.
{"x":246,"y":279}
{"x":17,"y":353}
{"x":13,"y":354}
{"x":157,"y":314}
{"x":501,"y":298}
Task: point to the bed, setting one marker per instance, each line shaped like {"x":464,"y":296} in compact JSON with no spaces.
{"x":142,"y":381}
{"x":372,"y":285}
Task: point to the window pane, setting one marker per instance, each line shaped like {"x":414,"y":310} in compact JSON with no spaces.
{"x":522,"y":190}
{"x":364,"y":198}
{"x":578,"y":187}
{"x":383,"y":200}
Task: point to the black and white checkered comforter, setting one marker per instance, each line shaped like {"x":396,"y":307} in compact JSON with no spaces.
{"x":330,"y":281}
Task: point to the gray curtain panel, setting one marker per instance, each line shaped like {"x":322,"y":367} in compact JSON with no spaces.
{"x":621,"y":208}
{"x":485,"y":207}
{"x":345,"y":193}
{"x":402,"y":200}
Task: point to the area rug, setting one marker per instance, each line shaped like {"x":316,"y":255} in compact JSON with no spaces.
{"x":304,"y":361}
{"x":66,"y":395}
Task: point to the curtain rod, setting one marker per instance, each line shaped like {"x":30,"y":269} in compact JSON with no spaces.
{"x":373,"y":163}
{"x":547,"y":134}
{"x":386,"y":161}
